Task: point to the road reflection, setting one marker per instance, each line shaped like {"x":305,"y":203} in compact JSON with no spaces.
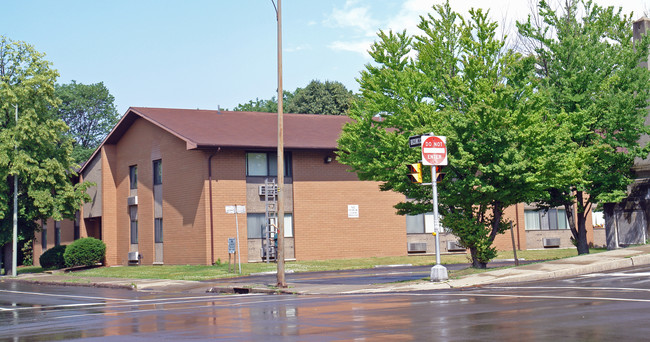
{"x":505,"y":314}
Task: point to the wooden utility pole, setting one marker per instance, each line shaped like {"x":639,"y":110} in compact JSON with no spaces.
{"x":279,"y":258}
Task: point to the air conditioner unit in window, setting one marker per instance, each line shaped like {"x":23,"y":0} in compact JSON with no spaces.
{"x":453,"y":246}
{"x":133,"y":200}
{"x":273,"y":190}
{"x":417,"y":247}
{"x":551,"y":242}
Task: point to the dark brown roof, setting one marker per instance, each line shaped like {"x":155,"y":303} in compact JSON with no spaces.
{"x":206,"y":129}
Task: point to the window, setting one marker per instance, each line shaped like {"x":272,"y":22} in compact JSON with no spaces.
{"x":266,"y":164}
{"x":158,"y":230}
{"x":44,"y":235}
{"x":422,"y":223}
{"x":552,"y":219}
{"x":157,"y":172}
{"x":57,"y":233}
{"x":76,"y":226}
{"x":133,"y":176}
{"x":255,"y":225}
{"x":134,"y":224}
{"x":598,"y":219}
{"x":415,"y":224}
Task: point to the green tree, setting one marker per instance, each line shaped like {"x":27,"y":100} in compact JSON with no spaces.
{"x":265,"y":106}
{"x":34,"y":149}
{"x":588,"y":66}
{"x":327,"y":98}
{"x":463,"y":84}
{"x":89,"y":112}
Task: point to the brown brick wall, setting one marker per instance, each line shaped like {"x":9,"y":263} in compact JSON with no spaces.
{"x":184,"y":209}
{"x":322,"y":229}
{"x":228,"y":188}
{"x":67,"y":237}
{"x":109,"y":232}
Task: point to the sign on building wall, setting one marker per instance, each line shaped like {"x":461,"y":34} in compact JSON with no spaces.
{"x":353,"y":211}
{"x":239,"y":209}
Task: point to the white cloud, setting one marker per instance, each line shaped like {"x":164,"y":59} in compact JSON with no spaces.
{"x":409,"y":15}
{"x":297,"y":48}
{"x":360,"y":47}
{"x":353,"y":15}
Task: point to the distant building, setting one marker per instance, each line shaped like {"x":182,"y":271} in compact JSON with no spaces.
{"x":627,"y":222}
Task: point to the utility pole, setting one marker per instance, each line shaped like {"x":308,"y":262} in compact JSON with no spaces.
{"x":14,"y":255}
{"x":279,"y":257}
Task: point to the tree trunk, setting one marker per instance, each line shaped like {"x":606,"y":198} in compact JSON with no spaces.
{"x":8,"y":257}
{"x":581,"y":239}
{"x":475,"y":262}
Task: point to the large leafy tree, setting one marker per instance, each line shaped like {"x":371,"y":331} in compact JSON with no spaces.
{"x":327,"y":98}
{"x":35,"y":148}
{"x":588,"y":66}
{"x":265,"y":105}
{"x":89,"y":112}
{"x":463,"y":84}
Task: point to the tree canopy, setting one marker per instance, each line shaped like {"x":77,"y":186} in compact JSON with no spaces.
{"x":35,"y":149}
{"x":89,"y":112}
{"x":455,"y":79}
{"x":327,"y":98}
{"x":588,"y":67}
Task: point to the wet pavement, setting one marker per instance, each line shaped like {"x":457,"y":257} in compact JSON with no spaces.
{"x":594,"y":307}
{"x":389,"y":279}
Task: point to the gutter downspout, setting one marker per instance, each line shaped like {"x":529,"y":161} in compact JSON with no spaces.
{"x":211,"y":211}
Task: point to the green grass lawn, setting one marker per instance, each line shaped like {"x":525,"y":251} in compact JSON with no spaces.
{"x":198,"y":272}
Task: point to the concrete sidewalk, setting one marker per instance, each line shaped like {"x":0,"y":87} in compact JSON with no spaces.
{"x":583,"y":264}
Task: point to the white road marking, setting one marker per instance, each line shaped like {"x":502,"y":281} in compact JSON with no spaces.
{"x":120,"y":301}
{"x":617,"y":274}
{"x":179,"y":308}
{"x":570,"y":288}
{"x":530,"y":296}
{"x":58,"y":295}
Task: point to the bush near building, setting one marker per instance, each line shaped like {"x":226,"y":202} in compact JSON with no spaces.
{"x":85,"y":252}
{"x":53,"y":257}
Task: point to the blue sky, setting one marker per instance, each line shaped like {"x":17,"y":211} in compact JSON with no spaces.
{"x":209,"y":53}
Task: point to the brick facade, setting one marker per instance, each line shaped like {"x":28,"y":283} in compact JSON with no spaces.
{"x":196,"y":227}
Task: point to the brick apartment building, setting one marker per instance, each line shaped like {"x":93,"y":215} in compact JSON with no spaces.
{"x":164,"y":177}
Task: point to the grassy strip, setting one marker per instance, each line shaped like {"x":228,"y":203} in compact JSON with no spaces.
{"x":202,"y":272}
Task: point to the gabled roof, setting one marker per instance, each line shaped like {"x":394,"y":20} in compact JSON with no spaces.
{"x":208,"y":129}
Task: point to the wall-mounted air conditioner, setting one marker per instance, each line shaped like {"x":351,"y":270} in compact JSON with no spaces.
{"x":551,"y":242}
{"x":273,"y":190}
{"x":134,"y":257}
{"x":453,"y":246}
{"x":133,"y":200}
{"x":417,"y":247}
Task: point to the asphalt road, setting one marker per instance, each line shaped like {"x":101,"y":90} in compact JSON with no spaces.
{"x":595,"y":307}
{"x":378,"y":275}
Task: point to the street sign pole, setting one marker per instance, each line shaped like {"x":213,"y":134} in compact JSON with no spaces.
{"x":434,"y":152}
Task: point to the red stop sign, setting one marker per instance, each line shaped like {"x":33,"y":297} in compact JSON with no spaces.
{"x":434,"y":150}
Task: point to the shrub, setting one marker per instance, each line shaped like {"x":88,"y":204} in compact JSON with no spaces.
{"x":85,"y":252}
{"x":53,"y":257}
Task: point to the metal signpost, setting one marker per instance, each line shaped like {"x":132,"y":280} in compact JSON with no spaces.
{"x":434,"y":152}
{"x":237,"y":209}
